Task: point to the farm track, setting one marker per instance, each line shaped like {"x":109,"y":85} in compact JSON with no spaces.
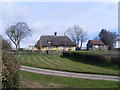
{"x":68,"y":74}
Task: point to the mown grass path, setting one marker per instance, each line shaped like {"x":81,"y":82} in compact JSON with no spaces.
{"x":56,"y":62}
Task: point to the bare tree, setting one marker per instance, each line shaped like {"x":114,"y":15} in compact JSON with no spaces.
{"x":77,"y":35}
{"x":18,"y":32}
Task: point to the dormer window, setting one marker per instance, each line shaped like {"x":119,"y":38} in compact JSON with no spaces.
{"x":49,"y":42}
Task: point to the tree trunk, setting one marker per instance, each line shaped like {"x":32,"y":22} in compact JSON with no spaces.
{"x":16,"y":46}
{"x":81,"y":44}
{"x":77,"y":44}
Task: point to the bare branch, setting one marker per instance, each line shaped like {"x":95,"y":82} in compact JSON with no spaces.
{"x":77,"y":35}
{"x":18,"y":32}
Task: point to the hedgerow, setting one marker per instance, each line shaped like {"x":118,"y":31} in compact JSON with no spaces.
{"x":88,"y":56}
{"x":10,"y":70}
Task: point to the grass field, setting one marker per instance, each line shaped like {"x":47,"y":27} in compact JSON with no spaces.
{"x":56,"y":62}
{"x":33,"y":80}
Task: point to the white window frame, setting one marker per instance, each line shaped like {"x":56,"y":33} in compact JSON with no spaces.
{"x":61,"y":47}
{"x":96,"y":46}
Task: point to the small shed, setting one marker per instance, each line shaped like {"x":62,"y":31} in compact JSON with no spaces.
{"x":32,"y":47}
{"x":96,"y":45}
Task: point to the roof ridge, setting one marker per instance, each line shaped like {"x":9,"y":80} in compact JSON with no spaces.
{"x":96,"y":42}
{"x":56,"y":40}
{"x":52,"y":35}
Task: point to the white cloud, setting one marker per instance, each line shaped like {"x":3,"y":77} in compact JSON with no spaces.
{"x":37,"y":25}
{"x":13,"y":12}
{"x":23,"y":12}
{"x":44,"y":21}
{"x":60,"y":0}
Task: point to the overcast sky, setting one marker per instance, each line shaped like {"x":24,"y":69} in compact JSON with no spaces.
{"x":45,"y":18}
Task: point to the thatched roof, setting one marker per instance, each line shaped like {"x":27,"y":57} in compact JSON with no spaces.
{"x":53,"y":40}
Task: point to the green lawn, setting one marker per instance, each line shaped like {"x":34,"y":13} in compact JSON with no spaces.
{"x":56,"y":62}
{"x":50,"y":81}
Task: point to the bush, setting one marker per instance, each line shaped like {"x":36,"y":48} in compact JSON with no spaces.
{"x":116,"y":59}
{"x":20,"y":49}
{"x":10,"y":70}
{"x":89,"y":56}
{"x":6,"y":45}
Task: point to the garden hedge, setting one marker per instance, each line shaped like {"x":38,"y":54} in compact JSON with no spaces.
{"x":10,"y":70}
{"x":89,"y":56}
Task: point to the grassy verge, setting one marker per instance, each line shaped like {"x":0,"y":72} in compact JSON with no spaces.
{"x":56,"y":62}
{"x":49,"y":81}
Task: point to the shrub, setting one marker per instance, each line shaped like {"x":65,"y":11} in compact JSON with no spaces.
{"x":116,"y":59}
{"x":20,"y":49}
{"x":89,"y":56}
{"x":6,"y":45}
{"x":10,"y":70}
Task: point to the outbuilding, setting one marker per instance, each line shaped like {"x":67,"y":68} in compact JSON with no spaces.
{"x":96,"y":45}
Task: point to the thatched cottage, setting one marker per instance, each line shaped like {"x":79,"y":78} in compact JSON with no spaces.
{"x":54,"y":42}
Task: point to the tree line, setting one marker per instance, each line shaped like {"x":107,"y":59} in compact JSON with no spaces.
{"x":78,"y":35}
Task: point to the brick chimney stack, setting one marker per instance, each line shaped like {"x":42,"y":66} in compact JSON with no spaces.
{"x":55,"y":33}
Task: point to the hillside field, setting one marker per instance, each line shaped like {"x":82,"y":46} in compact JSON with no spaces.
{"x":57,"y":62}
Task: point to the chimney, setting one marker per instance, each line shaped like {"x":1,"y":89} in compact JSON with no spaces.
{"x":55,"y":33}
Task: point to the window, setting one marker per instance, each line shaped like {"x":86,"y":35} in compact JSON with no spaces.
{"x":49,"y":42}
{"x":61,"y":47}
{"x":32,"y":47}
{"x":96,"y":46}
{"x":50,"y":47}
{"x":69,"y":47}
